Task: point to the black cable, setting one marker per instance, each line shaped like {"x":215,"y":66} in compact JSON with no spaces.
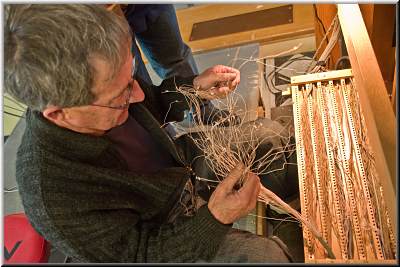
{"x":12,"y":114}
{"x":284,"y":65}
{"x":265,"y":78}
{"x":14,"y":101}
{"x":16,"y":109}
{"x":11,"y":190}
{"x":342,"y":59}
{"x":269,"y":78}
{"x":320,"y":21}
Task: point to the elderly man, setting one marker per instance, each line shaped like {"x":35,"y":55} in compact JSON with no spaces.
{"x":98,"y":176}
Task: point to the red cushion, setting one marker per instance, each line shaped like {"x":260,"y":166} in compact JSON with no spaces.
{"x":22,"y":244}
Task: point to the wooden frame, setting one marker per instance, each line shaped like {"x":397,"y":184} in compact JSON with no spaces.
{"x":303,"y":23}
{"x":321,"y":76}
{"x":379,"y":125}
{"x":374,"y":100}
{"x":380,"y":21}
{"x":324,"y":15}
{"x":325,"y":111}
{"x":393,"y":94}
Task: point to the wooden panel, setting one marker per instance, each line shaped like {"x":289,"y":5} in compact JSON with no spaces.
{"x":331,"y":261}
{"x":326,"y":13}
{"x":303,"y":23}
{"x":374,"y":101}
{"x":261,"y":223}
{"x":393,"y":95}
{"x":321,"y":76}
{"x":380,"y":23}
{"x":234,"y":24}
{"x":336,"y":168}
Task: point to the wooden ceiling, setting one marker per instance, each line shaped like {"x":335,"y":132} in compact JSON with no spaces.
{"x":303,"y":23}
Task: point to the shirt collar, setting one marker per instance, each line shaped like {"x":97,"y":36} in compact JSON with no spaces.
{"x":73,"y":143}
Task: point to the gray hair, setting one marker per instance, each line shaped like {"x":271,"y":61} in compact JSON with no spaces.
{"x":48,"y":49}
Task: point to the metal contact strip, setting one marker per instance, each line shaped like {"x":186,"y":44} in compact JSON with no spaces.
{"x":356,"y":222}
{"x":392,"y":238}
{"x":321,"y":200}
{"x":331,"y":166}
{"x":301,"y":170}
{"x":371,"y":215}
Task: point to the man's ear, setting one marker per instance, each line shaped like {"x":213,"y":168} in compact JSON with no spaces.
{"x":54,"y":114}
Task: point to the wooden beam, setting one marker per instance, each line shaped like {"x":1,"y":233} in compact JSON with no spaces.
{"x":320,"y":76}
{"x":340,"y":261}
{"x":261,"y":223}
{"x":303,"y":24}
{"x":374,"y":101}
{"x":324,"y":15}
{"x":393,"y":95}
{"x":380,"y":23}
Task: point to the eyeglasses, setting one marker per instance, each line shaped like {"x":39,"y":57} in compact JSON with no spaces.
{"x":127,"y":91}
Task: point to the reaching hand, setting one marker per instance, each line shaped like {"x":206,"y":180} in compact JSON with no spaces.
{"x":226,"y":204}
{"x":216,"y":82}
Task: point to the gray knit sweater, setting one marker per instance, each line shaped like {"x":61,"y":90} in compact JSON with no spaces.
{"x":80,"y":196}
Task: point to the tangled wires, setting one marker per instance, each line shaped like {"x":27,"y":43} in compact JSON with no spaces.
{"x":226,"y":147}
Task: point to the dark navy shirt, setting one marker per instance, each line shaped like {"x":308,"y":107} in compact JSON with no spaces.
{"x":139,"y":15}
{"x":137,"y":147}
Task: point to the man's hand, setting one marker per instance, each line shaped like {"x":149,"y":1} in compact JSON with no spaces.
{"x":226,"y":204}
{"x":216,"y":82}
{"x":116,"y":8}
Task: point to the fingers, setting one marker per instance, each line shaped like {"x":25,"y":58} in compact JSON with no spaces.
{"x":225,"y":77}
{"x":220,"y":92}
{"x":222,"y":68}
{"x":232,"y":77}
{"x":251,"y":186}
{"x":226,"y":69}
{"x":225,"y":84}
{"x":228,"y":183}
{"x":227,"y":205}
{"x":250,"y":191}
{"x":217,"y":81}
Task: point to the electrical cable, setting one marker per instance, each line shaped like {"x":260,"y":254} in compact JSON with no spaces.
{"x":320,"y":21}
{"x":266,"y":78}
{"x":269,"y":78}
{"x":325,"y":55}
{"x":272,"y":74}
{"x":12,"y":114}
{"x":340,"y":60}
{"x":14,"y":101}
{"x":11,"y":190}
{"x":16,"y":109}
{"x":329,"y":46}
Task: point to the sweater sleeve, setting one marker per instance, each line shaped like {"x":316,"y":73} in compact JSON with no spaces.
{"x":188,"y":239}
{"x":110,"y":219}
{"x":119,"y":236}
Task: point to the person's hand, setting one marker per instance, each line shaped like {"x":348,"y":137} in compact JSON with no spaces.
{"x":216,"y":82}
{"x":226,"y":204}
{"x":116,"y":8}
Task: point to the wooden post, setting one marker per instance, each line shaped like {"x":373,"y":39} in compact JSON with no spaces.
{"x":393,"y":95}
{"x":380,"y":21}
{"x":261,"y":223}
{"x":324,"y":15}
{"x":374,"y":101}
